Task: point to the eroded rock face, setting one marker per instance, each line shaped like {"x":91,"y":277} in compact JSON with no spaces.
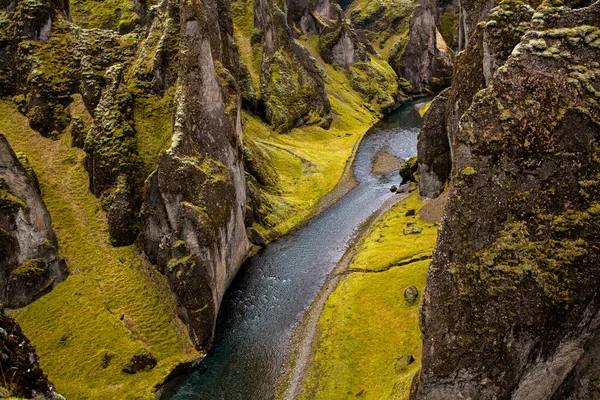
{"x":490,"y":46}
{"x":29,"y":263}
{"x":511,"y":306}
{"x":433,"y":149}
{"x":195,"y":202}
{"x":23,"y":377}
{"x":311,"y":16}
{"x":425,"y":62}
{"x":291,"y":85}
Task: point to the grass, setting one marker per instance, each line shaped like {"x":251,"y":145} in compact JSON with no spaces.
{"x":311,"y":160}
{"x":112,"y":305}
{"x":153,"y":117}
{"x":104,"y":14}
{"x":367,"y":329}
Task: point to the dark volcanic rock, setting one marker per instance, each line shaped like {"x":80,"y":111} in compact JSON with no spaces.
{"x":23,"y":377}
{"x":511,"y":306}
{"x":140,"y":362}
{"x":408,"y":170}
{"x":411,"y":295}
{"x":29,"y":262}
{"x":490,"y":46}
{"x":311,"y":16}
{"x":433,"y":149}
{"x":195,"y":202}
{"x":425,"y":62}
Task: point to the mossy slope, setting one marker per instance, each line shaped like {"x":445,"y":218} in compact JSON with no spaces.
{"x":112,"y":305}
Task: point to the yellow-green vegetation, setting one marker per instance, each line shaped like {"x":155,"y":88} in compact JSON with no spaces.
{"x":311,"y":160}
{"x":423,"y":110}
{"x":112,"y":306}
{"x":392,"y":24}
{"x":153,"y":117}
{"x":367,"y":332}
{"x":242,"y":12}
{"x":105,"y":14}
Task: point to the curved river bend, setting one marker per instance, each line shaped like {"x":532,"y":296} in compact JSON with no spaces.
{"x":273,"y":289}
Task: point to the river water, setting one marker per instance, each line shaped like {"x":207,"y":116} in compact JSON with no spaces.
{"x":273,"y":289}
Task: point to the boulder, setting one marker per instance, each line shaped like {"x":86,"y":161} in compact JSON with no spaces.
{"x":411,"y":295}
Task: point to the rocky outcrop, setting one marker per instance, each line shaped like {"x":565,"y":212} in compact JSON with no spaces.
{"x":29,"y":263}
{"x":312,"y":16}
{"x":491,"y":45}
{"x":195,"y":202}
{"x":22,"y":375}
{"x":425,"y":62}
{"x":433,"y":149}
{"x":292,"y":88}
{"x":511,"y":306}
{"x":112,"y":159}
{"x":340,"y":44}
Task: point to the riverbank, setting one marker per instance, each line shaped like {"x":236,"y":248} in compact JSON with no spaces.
{"x":347,"y":340}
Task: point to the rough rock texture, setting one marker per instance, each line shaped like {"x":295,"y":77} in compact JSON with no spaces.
{"x":471,"y":12}
{"x":22,"y":375}
{"x":311,"y":16}
{"x":291,"y":85}
{"x":511,"y":306}
{"x":194,"y":205}
{"x":112,"y":159}
{"x":29,"y":263}
{"x":491,"y":44}
{"x":433,"y":149}
{"x":425,"y":62}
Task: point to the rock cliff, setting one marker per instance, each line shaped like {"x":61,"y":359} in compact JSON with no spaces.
{"x":292,"y":88}
{"x":491,"y":43}
{"x":425,"y":62}
{"x":511,"y":305}
{"x":194,"y":204}
{"x":29,"y":262}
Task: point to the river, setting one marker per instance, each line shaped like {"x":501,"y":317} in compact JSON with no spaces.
{"x":272,"y":291}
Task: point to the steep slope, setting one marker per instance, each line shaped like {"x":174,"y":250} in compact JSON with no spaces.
{"x":510,"y":308}
{"x":29,"y":262}
{"x":194,"y":204}
{"x":491,"y":43}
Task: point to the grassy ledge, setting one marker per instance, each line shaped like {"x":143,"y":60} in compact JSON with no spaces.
{"x":112,"y":305}
{"x":366,"y":329}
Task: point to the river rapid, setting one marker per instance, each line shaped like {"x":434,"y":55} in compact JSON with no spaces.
{"x":273,"y":289}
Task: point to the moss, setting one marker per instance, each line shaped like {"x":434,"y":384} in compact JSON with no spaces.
{"x":514,"y":256}
{"x":153,"y":119}
{"x":423,"y":110}
{"x":105,"y":284}
{"x":448,"y":25}
{"x":118,"y":15}
{"x":30,"y":268}
{"x":367,"y":332}
{"x":8,"y":200}
{"x":468,"y":171}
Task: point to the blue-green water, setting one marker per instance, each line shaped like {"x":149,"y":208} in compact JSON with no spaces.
{"x":274,"y":289}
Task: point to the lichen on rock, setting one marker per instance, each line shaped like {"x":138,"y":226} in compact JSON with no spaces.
{"x":510,"y":306}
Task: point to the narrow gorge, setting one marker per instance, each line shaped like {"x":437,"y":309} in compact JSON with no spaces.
{"x":299,"y":199}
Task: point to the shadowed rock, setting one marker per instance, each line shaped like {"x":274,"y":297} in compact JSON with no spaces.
{"x":29,"y":263}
